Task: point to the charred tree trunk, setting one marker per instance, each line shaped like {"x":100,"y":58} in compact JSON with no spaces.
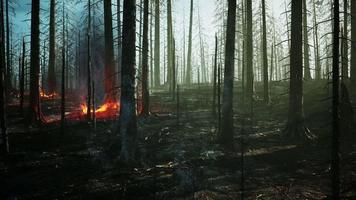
{"x":8,"y":74}
{"x":34,"y":114}
{"x":169,"y":45}
{"x":189,"y":56}
{"x":307,"y":75}
{"x":226,"y":135}
{"x":128,"y":121}
{"x":145,"y":92}
{"x":119,"y":46}
{"x":89,"y":64}
{"x":63,"y":82}
{"x":215,"y":75}
{"x":265,"y":61}
{"x":110,"y":76}
{"x":335,"y":145}
{"x":353,"y":45}
{"x":157,"y":73}
{"x":316,"y":46}
{"x":345,"y":45}
{"x":4,"y":145}
{"x":296,"y":127}
{"x":22,"y":76}
{"x":52,"y":82}
{"x":249,"y":57}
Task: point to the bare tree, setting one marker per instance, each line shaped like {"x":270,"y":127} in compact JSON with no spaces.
{"x":128,"y":121}
{"x":145,"y":92}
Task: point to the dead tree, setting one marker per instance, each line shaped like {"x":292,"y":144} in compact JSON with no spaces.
{"x":265,"y":61}
{"x":89,"y":63}
{"x":189,"y":56}
{"x":227,"y":132}
{"x":128,"y":120}
{"x":4,"y":145}
{"x":307,"y":75}
{"x":110,"y":76}
{"x":52,"y":80}
{"x":215,"y":75}
{"x":22,"y":76}
{"x":145,"y":92}
{"x":353,"y":45}
{"x":63,"y":83}
{"x":157,"y":75}
{"x":335,"y":145}
{"x":34,"y":114}
{"x":296,"y":127}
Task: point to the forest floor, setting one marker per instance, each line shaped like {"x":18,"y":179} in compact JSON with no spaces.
{"x":180,"y":160}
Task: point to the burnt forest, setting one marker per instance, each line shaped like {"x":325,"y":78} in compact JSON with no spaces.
{"x":178,"y":99}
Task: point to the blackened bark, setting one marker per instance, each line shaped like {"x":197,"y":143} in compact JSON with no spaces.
{"x":52,"y":81}
{"x":296,"y":126}
{"x":34,"y":112}
{"x":226,"y":135}
{"x":22,"y":76}
{"x":215,"y":75}
{"x":89,"y":63}
{"x":189,"y":56}
{"x":119,"y":46}
{"x":307,"y":75}
{"x":157,"y":73}
{"x":353,"y":45}
{"x":110,"y":76}
{"x":8,"y":75}
{"x":335,"y":144}
{"x":265,"y":61}
{"x":249,"y":57}
{"x":4,"y":147}
{"x":128,"y":120}
{"x":145,"y":92}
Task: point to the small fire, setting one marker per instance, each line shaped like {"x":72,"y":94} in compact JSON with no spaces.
{"x":48,"y":96}
{"x":108,"y":110}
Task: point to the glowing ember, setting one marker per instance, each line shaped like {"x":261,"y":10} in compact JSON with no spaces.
{"x":48,"y":96}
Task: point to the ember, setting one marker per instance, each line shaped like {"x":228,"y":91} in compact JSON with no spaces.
{"x":48,"y":96}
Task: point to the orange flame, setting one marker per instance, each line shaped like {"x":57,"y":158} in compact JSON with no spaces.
{"x":107,"y":110}
{"x":48,"y":96}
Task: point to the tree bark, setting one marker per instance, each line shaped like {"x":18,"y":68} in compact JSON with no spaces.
{"x":249,"y":56}
{"x":8,"y":74}
{"x":335,"y":162}
{"x":189,"y":56}
{"x":157,"y":73}
{"x":265,"y":61}
{"x":128,"y":121}
{"x":316,"y":46}
{"x":4,"y":145}
{"x":296,"y":127}
{"x":307,"y":75}
{"x":119,"y":45}
{"x":34,"y":112}
{"x":353,"y":46}
{"x":51,"y":80}
{"x":145,"y":92}
{"x":345,"y":57}
{"x":89,"y":63}
{"x":22,"y":76}
{"x":226,"y":135}
{"x":110,"y":76}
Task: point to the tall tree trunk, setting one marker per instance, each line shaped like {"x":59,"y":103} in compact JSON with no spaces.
{"x":22,"y":76}
{"x":316,"y":45}
{"x":335,"y":162}
{"x":296,"y":126}
{"x":215,"y":75}
{"x":353,"y":46}
{"x":63,"y":81}
{"x":345,"y":57}
{"x":189,"y":56}
{"x":51,"y":80}
{"x":249,"y":56}
{"x":4,"y":145}
{"x":119,"y":38}
{"x":34,"y":112}
{"x":145,"y":92}
{"x":89,"y":63}
{"x":8,"y":74}
{"x":151,"y":45}
{"x":110,"y":76}
{"x":169,"y":46}
{"x":307,"y":75}
{"x":226,"y":135}
{"x":265,"y":61}
{"x":128,"y":121}
{"x":157,"y":73}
